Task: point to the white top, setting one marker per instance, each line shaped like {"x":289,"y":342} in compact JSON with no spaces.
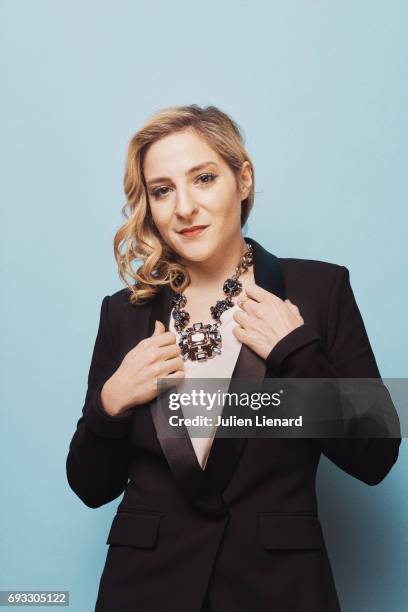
{"x":220,"y":366}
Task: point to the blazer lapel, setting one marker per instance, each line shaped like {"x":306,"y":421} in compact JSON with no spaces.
{"x":204,"y":487}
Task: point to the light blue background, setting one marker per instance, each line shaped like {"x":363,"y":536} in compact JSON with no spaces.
{"x":320,"y":90}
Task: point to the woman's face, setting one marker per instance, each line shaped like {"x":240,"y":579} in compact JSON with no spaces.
{"x":189,"y":184}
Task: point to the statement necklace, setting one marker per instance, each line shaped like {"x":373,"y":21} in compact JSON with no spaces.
{"x":201,"y":342}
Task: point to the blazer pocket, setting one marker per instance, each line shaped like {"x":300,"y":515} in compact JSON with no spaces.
{"x":290,"y":532}
{"x":134,"y":529}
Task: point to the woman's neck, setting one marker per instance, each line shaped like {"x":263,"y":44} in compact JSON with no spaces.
{"x":211,"y":274}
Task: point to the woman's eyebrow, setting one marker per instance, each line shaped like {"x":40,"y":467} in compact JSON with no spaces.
{"x":190,"y":171}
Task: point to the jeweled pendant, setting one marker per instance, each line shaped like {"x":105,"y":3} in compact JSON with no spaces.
{"x":200,"y":342}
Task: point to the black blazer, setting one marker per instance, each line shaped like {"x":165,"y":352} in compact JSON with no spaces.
{"x":243,"y":534}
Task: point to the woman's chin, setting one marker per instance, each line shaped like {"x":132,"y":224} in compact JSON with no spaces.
{"x":195,"y":255}
{"x":194,"y":250}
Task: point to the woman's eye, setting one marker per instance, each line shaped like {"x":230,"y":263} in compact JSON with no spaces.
{"x":161,"y":192}
{"x":158,"y":193}
{"x":207,"y":175}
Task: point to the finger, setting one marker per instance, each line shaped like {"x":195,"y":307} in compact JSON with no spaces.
{"x":251,"y":307}
{"x":165,"y":338}
{"x":239,"y":333}
{"x":169,"y":351}
{"x":259,"y":293}
{"x":241,"y":317}
{"x":293,"y":306}
{"x":177,"y":374}
{"x":172,"y":365}
{"x":255,"y":292}
{"x":158,"y":328}
{"x":242,"y":304}
{"x":167,"y":381}
{"x":245,"y":299}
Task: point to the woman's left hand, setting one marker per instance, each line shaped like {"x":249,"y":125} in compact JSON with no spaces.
{"x":264,"y":319}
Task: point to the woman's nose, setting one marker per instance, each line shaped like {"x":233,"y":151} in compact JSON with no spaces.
{"x":185,"y":205}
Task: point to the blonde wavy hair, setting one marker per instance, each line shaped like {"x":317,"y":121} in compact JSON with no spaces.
{"x":138,"y":238}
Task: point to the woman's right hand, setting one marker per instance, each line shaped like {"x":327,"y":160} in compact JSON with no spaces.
{"x":135,"y":380}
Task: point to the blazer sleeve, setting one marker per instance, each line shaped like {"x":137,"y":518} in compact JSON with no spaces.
{"x":345,"y":354}
{"x":100,"y":449}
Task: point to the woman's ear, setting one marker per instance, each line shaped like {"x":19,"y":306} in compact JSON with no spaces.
{"x":245,"y":179}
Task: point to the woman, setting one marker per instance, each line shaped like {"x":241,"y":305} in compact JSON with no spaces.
{"x":211,"y":523}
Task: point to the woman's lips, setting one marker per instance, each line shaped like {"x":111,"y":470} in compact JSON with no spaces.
{"x":194,"y":232}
